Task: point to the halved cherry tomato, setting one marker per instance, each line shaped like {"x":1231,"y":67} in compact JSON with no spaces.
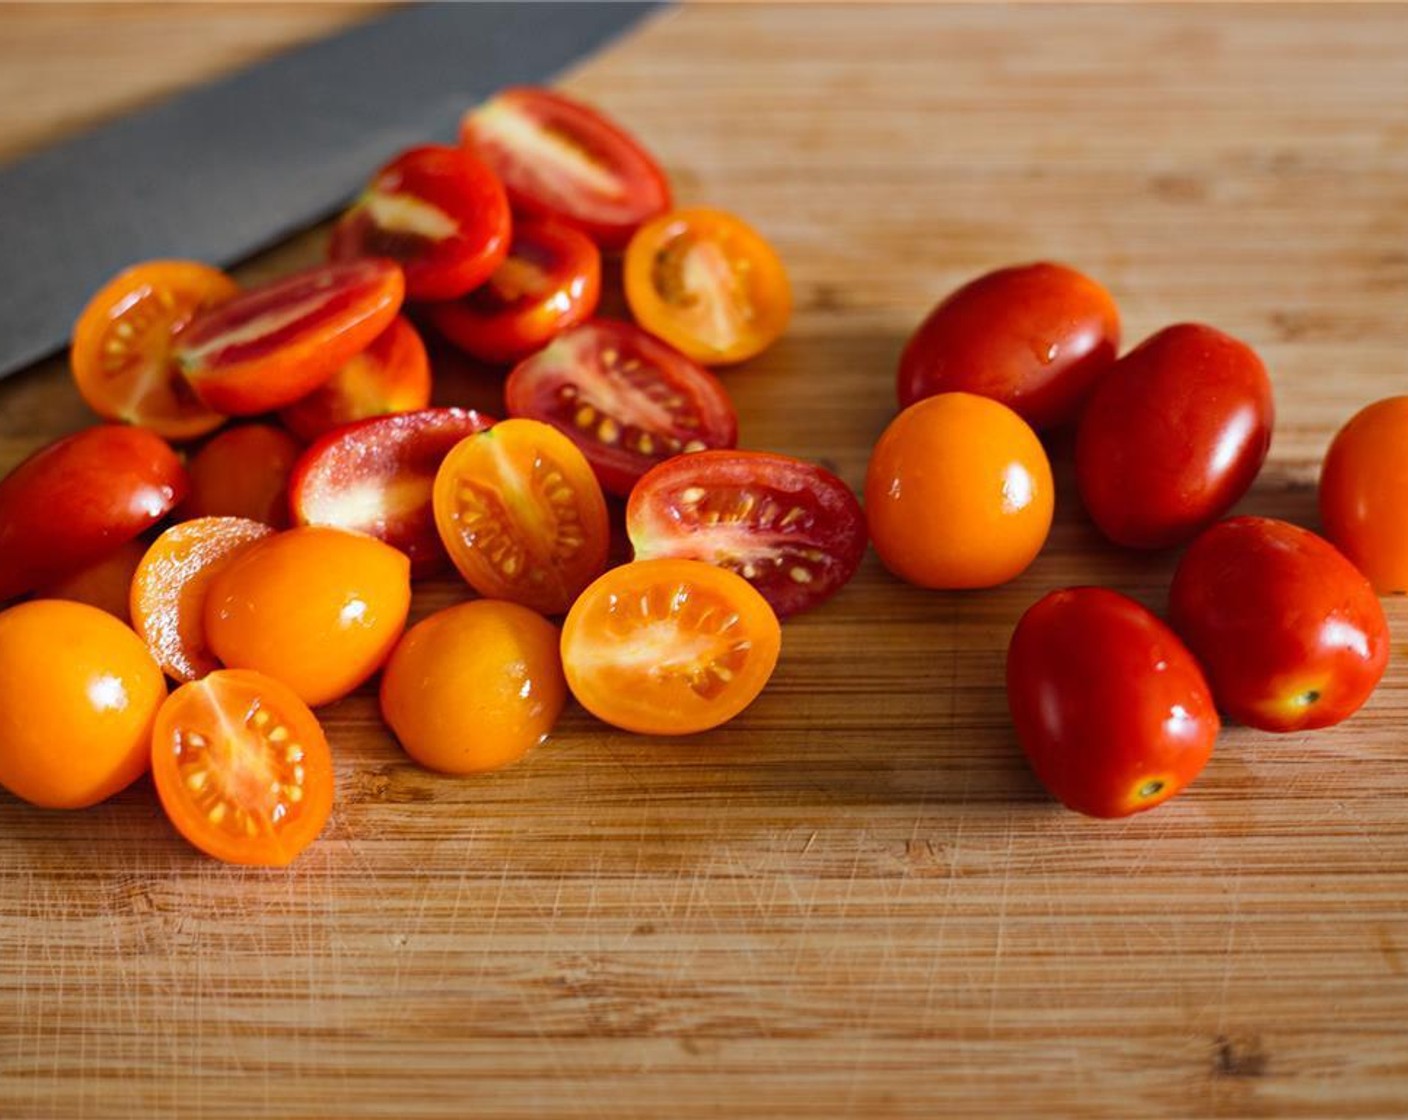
{"x":669,"y":647}
{"x":790,"y":528}
{"x":439,"y":213}
{"x":106,"y":584}
{"x":122,"y":355}
{"x":242,"y":768}
{"x":168,"y":589}
{"x":1035,"y":337}
{"x":522,"y":515}
{"x":376,"y":477}
{"x":550,"y":281}
{"x":625,"y":398}
{"x":278,"y":342}
{"x":78,"y":693}
{"x":80,"y":499}
{"x":1364,"y":493}
{"x":1110,"y":707}
{"x":243,"y":472}
{"x":708,"y":284}
{"x":319,"y":609}
{"x":560,"y":158}
{"x":390,"y":375}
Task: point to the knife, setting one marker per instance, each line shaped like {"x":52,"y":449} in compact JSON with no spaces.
{"x":229,"y":168}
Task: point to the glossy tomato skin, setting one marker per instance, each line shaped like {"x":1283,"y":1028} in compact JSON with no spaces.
{"x":1364,"y":493}
{"x":243,"y":472}
{"x":1111,"y":709}
{"x":559,"y":158}
{"x":1173,"y":436}
{"x":81,"y":498}
{"x":1289,"y":632}
{"x":1036,"y":337}
{"x":626,"y":399}
{"x":104,"y":584}
{"x":439,"y":213}
{"x":790,"y":528}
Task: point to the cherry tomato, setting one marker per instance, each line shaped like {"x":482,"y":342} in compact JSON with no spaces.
{"x":522,"y":515}
{"x":242,"y":768}
{"x":122,"y":355}
{"x":791,"y":529}
{"x":1289,"y":632}
{"x":390,"y":375}
{"x":958,"y":493}
{"x":1110,"y":707}
{"x":1035,"y":337}
{"x":243,"y":472}
{"x":708,"y":284}
{"x":1364,"y":493}
{"x":80,"y":499}
{"x":169,"y":588}
{"x":625,"y":398}
{"x":560,"y":158}
{"x":273,"y":344}
{"x":1173,"y":436}
{"x":550,"y":281}
{"x":376,"y":477}
{"x":104,"y":584}
{"x":78,"y":693}
{"x":436,"y":211}
{"x":474,"y":687}
{"x":319,"y":609}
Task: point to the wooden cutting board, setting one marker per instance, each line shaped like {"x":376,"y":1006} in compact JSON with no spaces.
{"x":854,"y":899}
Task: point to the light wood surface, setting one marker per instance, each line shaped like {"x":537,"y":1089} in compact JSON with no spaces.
{"x":853,"y":900}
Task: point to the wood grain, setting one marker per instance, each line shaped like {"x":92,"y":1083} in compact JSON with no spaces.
{"x":853,"y":900}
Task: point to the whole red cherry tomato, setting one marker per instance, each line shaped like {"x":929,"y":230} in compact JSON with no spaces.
{"x":1110,"y":707}
{"x":243,"y":472}
{"x":1173,"y":436}
{"x":1035,"y":337}
{"x":1289,"y":631}
{"x":1364,"y":493}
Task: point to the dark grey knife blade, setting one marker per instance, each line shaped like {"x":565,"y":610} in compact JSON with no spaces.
{"x":231,"y":167}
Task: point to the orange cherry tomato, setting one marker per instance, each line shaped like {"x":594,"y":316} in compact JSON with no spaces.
{"x":1364,"y":493}
{"x":707,"y":284}
{"x":474,"y":687}
{"x":78,"y":694}
{"x":122,"y":355}
{"x":522,"y":515}
{"x":669,"y":647}
{"x":317,"y":608}
{"x":243,"y":472}
{"x":105,"y":585}
{"x":958,"y":493}
{"x":242,"y":768}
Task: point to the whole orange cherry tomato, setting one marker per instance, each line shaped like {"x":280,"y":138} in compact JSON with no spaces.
{"x":243,"y":472}
{"x":1364,"y":493}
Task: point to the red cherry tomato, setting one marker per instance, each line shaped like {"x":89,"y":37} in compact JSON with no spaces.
{"x":273,"y":344}
{"x":1035,"y":337}
{"x":559,"y":158}
{"x":1289,"y":631}
{"x":550,"y":281}
{"x":243,"y":472}
{"x":376,"y":477}
{"x":1364,"y":493}
{"x":625,"y":398}
{"x":442,"y":215}
{"x":791,"y":529}
{"x":1110,"y":707}
{"x":105,"y":584}
{"x":1173,"y":436}
{"x":79,"y":500}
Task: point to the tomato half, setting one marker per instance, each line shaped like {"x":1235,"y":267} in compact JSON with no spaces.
{"x":669,"y":647}
{"x":560,"y":158}
{"x":122,"y":355}
{"x":80,"y":499}
{"x":242,"y":768}
{"x":708,"y":284}
{"x":439,"y":213}
{"x":376,"y":477}
{"x":1173,"y":436}
{"x":278,"y":342}
{"x":243,"y":472}
{"x":550,"y":281}
{"x":1364,"y":493}
{"x":522,"y":516}
{"x":105,"y":584}
{"x":625,"y":398}
{"x":790,"y":528}
{"x":1110,"y":707}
